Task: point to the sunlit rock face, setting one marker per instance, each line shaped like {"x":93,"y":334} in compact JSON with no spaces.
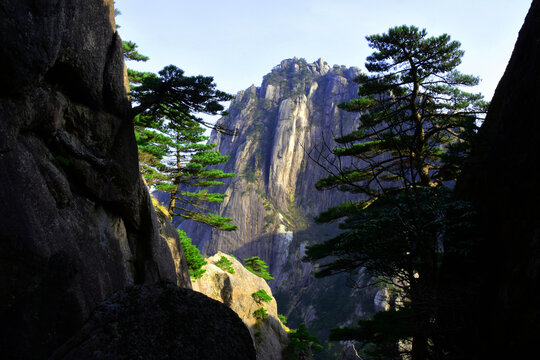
{"x":277,"y":124}
{"x":235,"y":289}
{"x":272,"y":199}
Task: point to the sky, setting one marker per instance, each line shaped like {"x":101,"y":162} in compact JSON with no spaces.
{"x":239,"y":41}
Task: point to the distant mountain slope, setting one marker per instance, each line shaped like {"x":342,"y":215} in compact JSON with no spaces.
{"x":273,"y":198}
{"x":273,"y":192}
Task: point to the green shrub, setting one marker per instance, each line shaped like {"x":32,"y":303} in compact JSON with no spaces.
{"x":194,"y":259}
{"x":258,"y":267}
{"x":64,"y":161}
{"x":260,"y":313}
{"x":261,"y":296}
{"x":282,"y":318}
{"x":225,"y":264}
{"x":258,"y":336}
{"x":256,"y":130}
{"x":250,"y":174}
{"x":300,"y":341}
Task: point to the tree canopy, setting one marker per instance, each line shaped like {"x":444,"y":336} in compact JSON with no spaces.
{"x":415,"y":121}
{"x":261,"y":296}
{"x":178,"y":98}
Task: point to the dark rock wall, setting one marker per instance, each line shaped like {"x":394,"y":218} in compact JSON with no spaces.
{"x":500,"y":315}
{"x":76,"y":221}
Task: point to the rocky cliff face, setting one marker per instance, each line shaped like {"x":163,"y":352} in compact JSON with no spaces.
{"x":235,"y":290}
{"x":76,"y":220}
{"x":273,"y":198}
{"x":294,"y":110}
{"x":500,"y":279}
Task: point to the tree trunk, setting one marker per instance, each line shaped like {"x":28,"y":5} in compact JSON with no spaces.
{"x":172,"y":202}
{"x":421,"y":322}
{"x":419,"y":347}
{"x":176,"y":180}
{"x":423,"y":290}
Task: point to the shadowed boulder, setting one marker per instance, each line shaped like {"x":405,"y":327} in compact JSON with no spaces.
{"x":160,"y":321}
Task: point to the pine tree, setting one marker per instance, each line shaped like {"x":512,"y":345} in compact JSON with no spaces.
{"x":177,"y":98}
{"x":170,"y":138}
{"x":258,"y":267}
{"x":414,"y":132}
{"x":261,"y":296}
{"x":260,"y":314}
{"x":225,"y":264}
{"x":185,"y":168}
{"x":131,"y":52}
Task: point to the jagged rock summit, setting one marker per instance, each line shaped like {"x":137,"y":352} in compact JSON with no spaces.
{"x":294,"y":110}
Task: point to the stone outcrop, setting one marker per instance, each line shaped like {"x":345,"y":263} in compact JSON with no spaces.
{"x":349,"y":353}
{"x":235,"y":290}
{"x":500,"y":282}
{"x":273,"y":198}
{"x":160,"y":321}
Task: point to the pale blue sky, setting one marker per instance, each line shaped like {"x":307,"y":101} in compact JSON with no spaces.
{"x":239,"y":41}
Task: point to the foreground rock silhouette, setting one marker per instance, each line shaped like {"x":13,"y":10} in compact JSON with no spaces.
{"x":76,"y":221}
{"x":499,"y":282}
{"x":160,"y":321}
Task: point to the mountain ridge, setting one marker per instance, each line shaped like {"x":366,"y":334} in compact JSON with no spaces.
{"x":273,"y":199}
